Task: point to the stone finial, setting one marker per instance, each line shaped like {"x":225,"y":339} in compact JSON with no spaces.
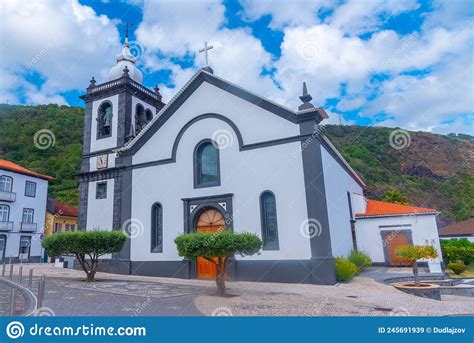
{"x":306,"y":99}
{"x":126,"y":71}
{"x":157,"y":92}
{"x":92,"y":83}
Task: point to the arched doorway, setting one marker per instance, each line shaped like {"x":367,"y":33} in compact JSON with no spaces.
{"x":209,"y":220}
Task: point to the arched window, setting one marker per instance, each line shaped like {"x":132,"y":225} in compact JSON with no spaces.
{"x":269,"y":221}
{"x":149,"y":115}
{"x":104,"y":120}
{"x":4,"y":213}
{"x":140,"y":119}
{"x":6,"y":183}
{"x":157,"y":228}
{"x":206,"y":165}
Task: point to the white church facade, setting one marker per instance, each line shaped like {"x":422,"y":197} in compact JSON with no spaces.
{"x":216,"y":155}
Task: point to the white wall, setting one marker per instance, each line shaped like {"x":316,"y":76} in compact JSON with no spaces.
{"x":369,"y":239}
{"x":109,"y":142}
{"x":337,"y":183}
{"x":100,"y":211}
{"x":256,"y":124}
{"x":245,"y":174}
{"x":38,"y":203}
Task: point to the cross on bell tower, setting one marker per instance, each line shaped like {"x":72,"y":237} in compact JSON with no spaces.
{"x":205,"y":51}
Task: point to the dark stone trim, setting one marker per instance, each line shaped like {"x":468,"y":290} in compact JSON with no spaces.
{"x":337,"y":158}
{"x":197,"y":165}
{"x":99,"y":152}
{"x":384,"y":233}
{"x":86,"y":147}
{"x":98,"y":136}
{"x":103,"y":174}
{"x":125,"y":195}
{"x":268,"y":245}
{"x":237,"y":91}
{"x":201,"y":203}
{"x":321,"y":249}
{"x":83,"y":200}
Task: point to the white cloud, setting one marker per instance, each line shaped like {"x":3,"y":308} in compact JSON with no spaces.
{"x":60,"y":40}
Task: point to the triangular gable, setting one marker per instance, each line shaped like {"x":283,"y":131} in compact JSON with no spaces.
{"x":190,"y":87}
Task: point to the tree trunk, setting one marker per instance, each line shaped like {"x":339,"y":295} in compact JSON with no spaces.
{"x":220,"y":278}
{"x":415,"y":273}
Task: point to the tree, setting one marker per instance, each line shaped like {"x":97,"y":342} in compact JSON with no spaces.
{"x":82,"y":244}
{"x":216,"y":248}
{"x":395,"y":196}
{"x":410,"y":254}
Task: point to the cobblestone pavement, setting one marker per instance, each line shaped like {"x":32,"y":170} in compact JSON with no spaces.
{"x":129,"y":295}
{"x":5,"y":298}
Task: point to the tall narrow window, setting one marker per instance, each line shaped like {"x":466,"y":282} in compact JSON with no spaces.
{"x":28,"y":214}
{"x":6,"y":183}
{"x":157,"y":228}
{"x":104,"y":120}
{"x":140,"y":118}
{"x":149,"y":115}
{"x":101,"y":190}
{"x":269,"y":221}
{"x":206,"y":165}
{"x":4,"y":213}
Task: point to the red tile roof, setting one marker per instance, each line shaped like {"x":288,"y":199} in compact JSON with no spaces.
{"x":13,"y":167}
{"x":65,"y":210}
{"x":458,"y":229}
{"x":381,"y":208}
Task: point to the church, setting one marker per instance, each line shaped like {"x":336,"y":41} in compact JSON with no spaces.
{"x":215,"y":156}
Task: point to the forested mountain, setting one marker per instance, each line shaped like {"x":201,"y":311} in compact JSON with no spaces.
{"x":432,"y":171}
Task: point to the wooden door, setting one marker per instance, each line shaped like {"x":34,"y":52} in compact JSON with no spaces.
{"x":210,"y":220}
{"x":394,"y":241}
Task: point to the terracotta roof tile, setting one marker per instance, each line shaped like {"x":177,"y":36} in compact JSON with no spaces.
{"x":13,"y":167}
{"x":462,"y":228}
{"x":65,"y":210}
{"x":381,"y":208}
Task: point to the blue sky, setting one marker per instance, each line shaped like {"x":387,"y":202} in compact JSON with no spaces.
{"x":392,"y":63}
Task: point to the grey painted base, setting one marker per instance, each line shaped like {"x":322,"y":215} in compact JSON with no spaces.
{"x":31,"y":259}
{"x":312,"y":271}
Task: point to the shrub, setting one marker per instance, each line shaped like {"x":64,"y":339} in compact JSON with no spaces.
{"x":345,"y":269}
{"x":455,"y":250}
{"x":457,"y":267}
{"x":216,"y":247}
{"x":361,"y":260}
{"x":82,"y":244}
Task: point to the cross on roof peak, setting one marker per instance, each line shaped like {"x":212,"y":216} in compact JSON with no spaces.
{"x":205,"y":50}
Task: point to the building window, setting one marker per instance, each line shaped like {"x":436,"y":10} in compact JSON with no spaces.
{"x":30,"y":189}
{"x":6,"y":183}
{"x":149,"y":115}
{"x":268,"y":216}
{"x":28,"y":214}
{"x":58,"y":227}
{"x":157,"y":228}
{"x":140,"y":118}
{"x":104,"y":120}
{"x":73,"y":227}
{"x":101,"y":190}
{"x":3,"y":246}
{"x":4,"y":213}
{"x":25,"y":243}
{"x":67,"y":227}
{"x":206,"y":165}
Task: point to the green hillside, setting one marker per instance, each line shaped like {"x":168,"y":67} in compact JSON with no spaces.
{"x":433,"y":171}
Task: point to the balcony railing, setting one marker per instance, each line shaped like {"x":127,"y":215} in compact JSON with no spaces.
{"x":6,"y":226}
{"x":7,"y":196}
{"x":27,"y":227}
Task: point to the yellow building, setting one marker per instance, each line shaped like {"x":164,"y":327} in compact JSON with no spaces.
{"x":60,"y":218}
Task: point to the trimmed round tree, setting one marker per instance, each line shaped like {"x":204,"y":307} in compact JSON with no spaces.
{"x":412,"y":253}
{"x":216,"y":247}
{"x":87,"y":246}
